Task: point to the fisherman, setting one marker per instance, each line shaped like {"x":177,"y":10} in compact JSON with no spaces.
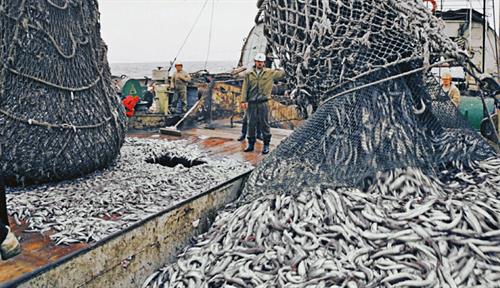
{"x":179,"y":83}
{"x":9,"y":246}
{"x":256,"y":91}
{"x":450,"y":88}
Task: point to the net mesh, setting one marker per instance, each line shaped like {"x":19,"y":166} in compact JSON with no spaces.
{"x":363,"y":66}
{"x":60,"y":117}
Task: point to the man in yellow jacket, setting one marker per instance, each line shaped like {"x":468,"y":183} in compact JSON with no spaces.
{"x":256,"y":91}
{"x":179,"y":83}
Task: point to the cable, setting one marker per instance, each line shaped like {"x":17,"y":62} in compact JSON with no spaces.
{"x":210,"y":33}
{"x":189,"y":34}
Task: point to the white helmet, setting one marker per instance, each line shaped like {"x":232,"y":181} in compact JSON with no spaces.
{"x":260,"y":57}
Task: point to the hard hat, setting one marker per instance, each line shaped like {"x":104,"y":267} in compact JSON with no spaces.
{"x":260,"y":57}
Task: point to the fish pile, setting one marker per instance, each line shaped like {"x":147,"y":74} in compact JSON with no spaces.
{"x":93,"y":207}
{"x":407,"y":228}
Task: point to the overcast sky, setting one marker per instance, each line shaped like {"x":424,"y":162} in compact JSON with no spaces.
{"x":154,"y":30}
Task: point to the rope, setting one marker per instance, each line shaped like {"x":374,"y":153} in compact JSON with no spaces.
{"x":58,"y":48}
{"x":64,"y":7}
{"x":77,"y":89}
{"x":189,"y":34}
{"x":51,"y":125}
{"x":423,"y":68}
{"x":210,"y":33}
{"x":39,"y":27}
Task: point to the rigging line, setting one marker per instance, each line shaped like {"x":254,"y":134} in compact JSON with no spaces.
{"x":210,"y":33}
{"x":189,"y":34}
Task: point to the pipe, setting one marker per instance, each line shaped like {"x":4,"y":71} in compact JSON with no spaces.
{"x":470,"y":25}
{"x":485,"y":28}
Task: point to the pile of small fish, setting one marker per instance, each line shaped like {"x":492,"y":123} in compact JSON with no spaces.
{"x":93,"y":207}
{"x":408,"y":228}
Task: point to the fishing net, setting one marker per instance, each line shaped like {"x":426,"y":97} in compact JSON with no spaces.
{"x":363,"y":67}
{"x":385,"y":185}
{"x":60,"y":117}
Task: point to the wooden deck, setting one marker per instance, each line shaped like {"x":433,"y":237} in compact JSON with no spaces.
{"x":39,"y":251}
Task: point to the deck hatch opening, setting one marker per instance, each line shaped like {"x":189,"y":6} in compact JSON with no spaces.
{"x":172,"y":161}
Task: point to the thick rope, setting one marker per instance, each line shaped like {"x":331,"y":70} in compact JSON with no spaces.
{"x":51,"y":125}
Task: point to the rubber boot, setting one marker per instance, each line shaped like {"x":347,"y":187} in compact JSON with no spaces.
{"x":265,"y":150}
{"x":242,"y":137}
{"x":250,"y":147}
{"x":10,"y":246}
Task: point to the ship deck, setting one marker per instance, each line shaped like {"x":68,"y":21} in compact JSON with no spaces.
{"x":39,"y":251}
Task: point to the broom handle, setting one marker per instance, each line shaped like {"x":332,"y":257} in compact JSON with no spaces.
{"x":187,"y":113}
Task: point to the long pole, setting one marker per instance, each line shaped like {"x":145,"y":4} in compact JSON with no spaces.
{"x":485,"y":28}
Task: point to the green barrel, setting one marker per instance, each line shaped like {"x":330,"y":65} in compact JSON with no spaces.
{"x":132,"y":87}
{"x":472,"y":109}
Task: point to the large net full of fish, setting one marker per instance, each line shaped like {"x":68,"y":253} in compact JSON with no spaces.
{"x":353,"y":62}
{"x":60,"y":118}
{"x":383,"y":186}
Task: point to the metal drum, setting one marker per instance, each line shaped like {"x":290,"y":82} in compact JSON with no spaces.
{"x":131,"y":87}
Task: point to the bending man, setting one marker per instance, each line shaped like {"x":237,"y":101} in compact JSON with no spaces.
{"x":256,"y":91}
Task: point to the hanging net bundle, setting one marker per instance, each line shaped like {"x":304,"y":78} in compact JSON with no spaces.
{"x":60,"y":117}
{"x":364,"y":67}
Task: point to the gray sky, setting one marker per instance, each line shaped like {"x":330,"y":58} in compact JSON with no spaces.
{"x":154,"y":30}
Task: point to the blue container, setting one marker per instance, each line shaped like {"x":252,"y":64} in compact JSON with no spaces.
{"x":472,"y":109}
